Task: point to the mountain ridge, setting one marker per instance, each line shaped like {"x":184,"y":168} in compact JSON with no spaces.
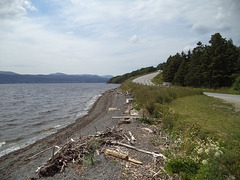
{"x":8,"y":77}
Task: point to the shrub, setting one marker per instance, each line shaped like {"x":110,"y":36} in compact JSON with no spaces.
{"x":150,"y":107}
{"x":183,"y":166}
{"x":236,"y":85}
{"x":145,"y":120}
{"x":168,"y":122}
{"x":90,"y":158}
{"x":210,"y":171}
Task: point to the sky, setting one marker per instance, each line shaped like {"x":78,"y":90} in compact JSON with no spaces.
{"x":107,"y":37}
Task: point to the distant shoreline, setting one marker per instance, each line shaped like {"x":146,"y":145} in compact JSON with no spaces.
{"x":13,"y":78}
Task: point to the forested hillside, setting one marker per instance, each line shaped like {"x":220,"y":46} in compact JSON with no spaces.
{"x":212,"y":66}
{"x":124,"y":77}
{"x":12,"y":78}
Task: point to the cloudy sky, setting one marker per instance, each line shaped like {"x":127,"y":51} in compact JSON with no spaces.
{"x":107,"y":36}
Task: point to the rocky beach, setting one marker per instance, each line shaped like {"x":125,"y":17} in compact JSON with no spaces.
{"x":133,"y":143}
{"x":16,"y":165}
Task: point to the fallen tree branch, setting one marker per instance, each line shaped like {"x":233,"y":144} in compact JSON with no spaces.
{"x":140,"y":150}
{"x":157,"y":173}
{"x":39,"y":168}
{"x":127,"y":137}
{"x":42,"y":152}
{"x":58,"y":151}
{"x":121,"y":156}
{"x":62,"y":168}
{"x":126,"y":117}
{"x":132,"y":137}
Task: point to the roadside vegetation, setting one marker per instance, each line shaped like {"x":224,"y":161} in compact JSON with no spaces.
{"x":158,"y":79}
{"x":205,"y":129}
{"x":124,"y":77}
{"x":234,"y":89}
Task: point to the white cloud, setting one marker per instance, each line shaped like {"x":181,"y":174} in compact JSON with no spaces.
{"x":82,"y":36}
{"x":15,"y":8}
{"x":134,"y":39}
{"x":28,"y":5}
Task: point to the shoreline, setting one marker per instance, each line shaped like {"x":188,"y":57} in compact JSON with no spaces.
{"x":32,"y":140}
{"x":16,"y":165}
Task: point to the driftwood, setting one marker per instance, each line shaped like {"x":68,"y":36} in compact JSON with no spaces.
{"x":136,"y":149}
{"x":113,"y":109}
{"x":62,"y":168}
{"x":126,"y":117}
{"x":75,"y":151}
{"x":148,"y":130}
{"x":127,"y":137}
{"x":58,"y":151}
{"x":121,"y":156}
{"x":132,"y":137}
{"x":40,"y":152}
{"x":124,"y":121}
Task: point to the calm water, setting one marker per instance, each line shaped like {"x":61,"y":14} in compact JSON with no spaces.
{"x":29,"y":112}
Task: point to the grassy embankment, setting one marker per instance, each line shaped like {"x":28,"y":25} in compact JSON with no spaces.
{"x":205,"y":129}
{"x":225,"y":90}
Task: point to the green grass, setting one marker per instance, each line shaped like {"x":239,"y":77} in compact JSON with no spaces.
{"x":199,"y":123}
{"x":223,"y":90}
{"x":210,"y":114}
{"x":158,"y":79}
{"x":205,"y":120}
{"x":148,"y":96}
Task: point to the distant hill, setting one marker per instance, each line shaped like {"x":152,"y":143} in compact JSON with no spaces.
{"x":8,"y":73}
{"x":124,"y":77}
{"x":7,"y":77}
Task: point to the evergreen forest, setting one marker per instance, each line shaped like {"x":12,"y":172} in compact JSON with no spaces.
{"x":211,"y":66}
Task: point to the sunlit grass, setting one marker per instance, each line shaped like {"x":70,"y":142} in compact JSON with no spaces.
{"x":209,"y":113}
{"x":145,"y":95}
{"x":158,"y":79}
{"x":214,"y":119}
{"x":223,"y":90}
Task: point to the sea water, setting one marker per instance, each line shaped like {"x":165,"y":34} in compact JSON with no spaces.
{"x":29,"y":112}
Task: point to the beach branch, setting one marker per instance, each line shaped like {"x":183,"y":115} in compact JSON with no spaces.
{"x":137,"y":149}
{"x":121,"y":156}
{"x":42,"y":152}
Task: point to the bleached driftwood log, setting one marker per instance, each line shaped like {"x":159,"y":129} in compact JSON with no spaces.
{"x":137,"y":149}
{"x":132,"y":137}
{"x":121,"y":156}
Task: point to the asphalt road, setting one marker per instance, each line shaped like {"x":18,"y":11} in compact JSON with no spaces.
{"x":146,"y":79}
{"x":230,"y":98}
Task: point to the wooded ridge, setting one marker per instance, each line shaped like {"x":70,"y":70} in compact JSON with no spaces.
{"x":211,"y":66}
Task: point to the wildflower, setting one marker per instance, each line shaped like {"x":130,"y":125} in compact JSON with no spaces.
{"x":207,"y":151}
{"x":217,"y":154}
{"x":200,"y":150}
{"x":204,"y":162}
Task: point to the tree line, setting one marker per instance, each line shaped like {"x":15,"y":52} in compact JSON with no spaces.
{"x":212,"y":66}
